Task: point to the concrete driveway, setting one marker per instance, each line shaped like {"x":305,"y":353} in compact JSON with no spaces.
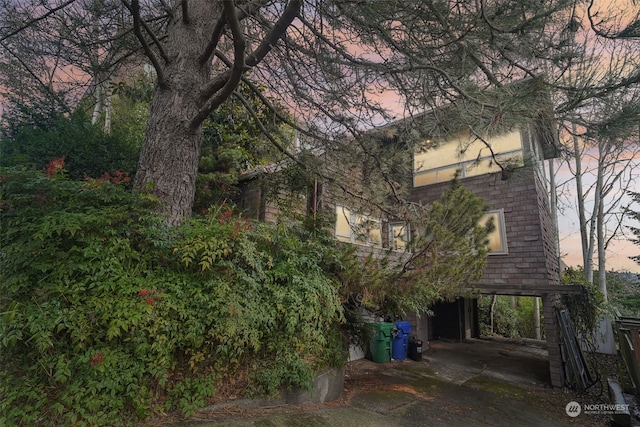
{"x":474,"y":383}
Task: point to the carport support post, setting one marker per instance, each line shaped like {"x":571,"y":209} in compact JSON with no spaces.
{"x":552,"y":331}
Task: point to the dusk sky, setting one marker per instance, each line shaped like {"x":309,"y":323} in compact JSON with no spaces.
{"x":619,"y":250}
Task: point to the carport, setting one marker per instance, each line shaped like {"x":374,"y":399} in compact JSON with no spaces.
{"x":457,"y":321}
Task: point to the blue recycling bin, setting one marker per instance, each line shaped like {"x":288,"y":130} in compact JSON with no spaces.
{"x":401,"y":340}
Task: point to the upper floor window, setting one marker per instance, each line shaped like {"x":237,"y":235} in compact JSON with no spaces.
{"x":467,"y":154}
{"x":498,"y":237}
{"x":357,"y":228}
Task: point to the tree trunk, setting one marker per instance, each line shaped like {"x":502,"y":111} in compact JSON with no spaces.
{"x":553,"y":206}
{"x":602,"y":268}
{"x":492,"y":308}
{"x":97,"y":107}
{"x":587,"y":252}
{"x":171,"y":151}
{"x":108,"y":107}
{"x":536,"y":318}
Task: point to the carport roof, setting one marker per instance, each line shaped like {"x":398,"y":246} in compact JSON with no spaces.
{"x":523,"y":290}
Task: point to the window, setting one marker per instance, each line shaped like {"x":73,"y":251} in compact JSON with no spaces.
{"x":498,"y":237}
{"x":357,"y":228}
{"x":398,"y":236}
{"x":467,"y":155}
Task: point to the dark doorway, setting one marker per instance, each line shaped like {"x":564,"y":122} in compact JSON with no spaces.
{"x":455,"y":320}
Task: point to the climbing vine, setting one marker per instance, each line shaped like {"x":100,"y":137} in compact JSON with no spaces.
{"x":587,"y":308}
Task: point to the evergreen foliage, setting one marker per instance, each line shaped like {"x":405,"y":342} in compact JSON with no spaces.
{"x":624,"y":292}
{"x":32,"y":139}
{"x":505,"y":318}
{"x":447,"y":253}
{"x":233,"y":142}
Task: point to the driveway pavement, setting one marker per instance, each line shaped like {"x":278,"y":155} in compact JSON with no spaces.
{"x":475,"y":383}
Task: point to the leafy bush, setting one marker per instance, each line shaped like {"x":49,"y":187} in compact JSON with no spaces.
{"x":510,"y":322}
{"x":233,"y":141}
{"x":505,"y":318}
{"x":624,"y":292}
{"x":525,"y":315}
{"x":109,"y":316}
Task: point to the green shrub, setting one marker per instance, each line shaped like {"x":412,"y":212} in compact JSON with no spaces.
{"x":623,"y":293}
{"x":109,"y":316}
{"x":525,"y":317}
{"x":505,"y":318}
{"x":33,"y":141}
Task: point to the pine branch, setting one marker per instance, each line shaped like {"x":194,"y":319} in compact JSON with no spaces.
{"x":218,"y":29}
{"x":235,"y":72}
{"x":46,"y":87}
{"x":264,"y":130}
{"x":277,"y":31}
{"x":134,"y":8}
{"x":222,"y":87}
{"x":629,"y":32}
{"x":213,"y":43}
{"x":265,"y":101}
{"x":34,"y":20}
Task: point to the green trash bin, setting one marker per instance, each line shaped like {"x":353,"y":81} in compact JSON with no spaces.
{"x":381,"y":342}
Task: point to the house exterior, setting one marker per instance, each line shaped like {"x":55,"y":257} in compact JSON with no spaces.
{"x":508,"y":171}
{"x":524,"y":258}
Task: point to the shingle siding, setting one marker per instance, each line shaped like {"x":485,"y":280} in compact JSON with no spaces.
{"x":529,"y":229}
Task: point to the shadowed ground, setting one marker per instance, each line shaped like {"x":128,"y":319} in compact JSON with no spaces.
{"x":474,"y":383}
